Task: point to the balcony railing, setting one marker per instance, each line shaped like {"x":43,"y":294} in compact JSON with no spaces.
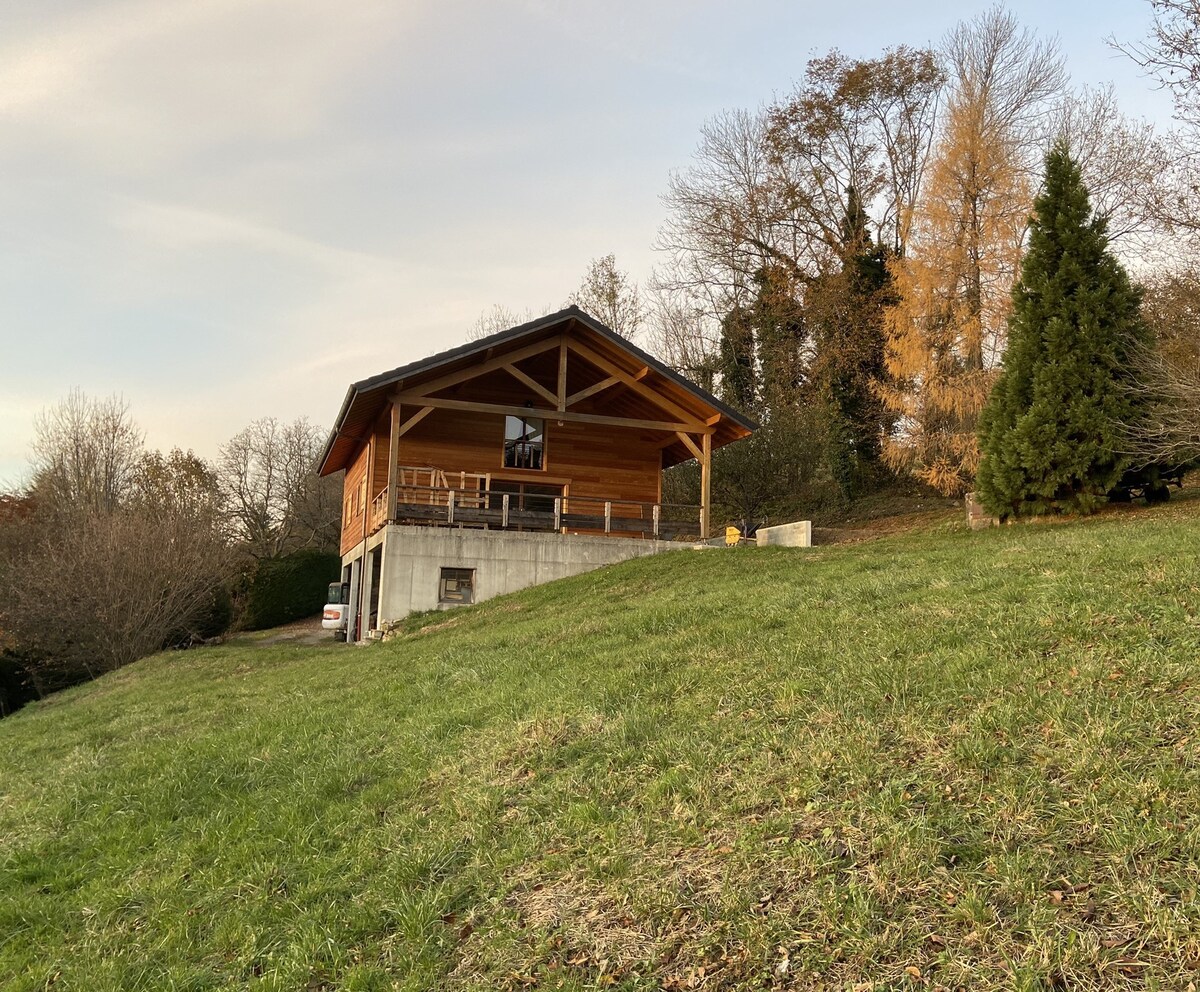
{"x":377,"y":515}
{"x":446,"y":506}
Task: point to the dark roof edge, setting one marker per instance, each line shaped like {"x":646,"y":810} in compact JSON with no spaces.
{"x":664,"y":370}
{"x":502,"y":337}
{"x":433,"y":362}
{"x":333,"y":434}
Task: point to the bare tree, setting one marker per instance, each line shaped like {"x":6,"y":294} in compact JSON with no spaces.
{"x":1010,"y":76}
{"x":1172,"y":54}
{"x":681,"y":333}
{"x":862,"y":128}
{"x":609,"y":295}
{"x":1168,"y":430}
{"x":728,"y":216}
{"x":271,"y":495}
{"x":82,"y":600}
{"x":729,"y":219}
{"x":1171,"y":309}
{"x":498,"y":318}
{"x":1166,"y":378}
{"x":1124,"y":165}
{"x":86,"y":453}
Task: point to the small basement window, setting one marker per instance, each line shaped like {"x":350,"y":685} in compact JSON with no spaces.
{"x":457,"y":586}
{"x":523,"y":442}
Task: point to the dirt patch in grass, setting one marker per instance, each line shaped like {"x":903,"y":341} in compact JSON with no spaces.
{"x":307,"y":631}
{"x":599,"y":931}
{"x":570,"y":925}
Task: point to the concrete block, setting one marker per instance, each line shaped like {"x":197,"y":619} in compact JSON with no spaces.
{"x":793,"y":535}
{"x":977,"y":517}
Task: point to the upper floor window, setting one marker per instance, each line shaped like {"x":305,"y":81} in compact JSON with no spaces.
{"x":523,"y":442}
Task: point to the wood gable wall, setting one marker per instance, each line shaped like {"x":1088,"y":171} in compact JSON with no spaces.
{"x":611,"y":422}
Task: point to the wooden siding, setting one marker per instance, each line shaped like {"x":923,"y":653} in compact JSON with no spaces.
{"x":379,"y":478}
{"x":355,"y":501}
{"x":591,"y":461}
{"x":603,"y":462}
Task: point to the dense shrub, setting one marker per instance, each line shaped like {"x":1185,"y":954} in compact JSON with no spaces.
{"x":86,"y":593}
{"x":289,"y":588}
{"x":212,"y":619}
{"x":16,"y":688}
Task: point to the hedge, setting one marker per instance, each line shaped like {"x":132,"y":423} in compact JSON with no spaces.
{"x":290,"y":588}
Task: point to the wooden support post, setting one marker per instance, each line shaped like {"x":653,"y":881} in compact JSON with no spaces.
{"x":393,"y":464}
{"x":562,"y":375}
{"x":607,"y":517}
{"x":558,"y":513}
{"x":705,"y":486}
{"x":657,"y":518}
{"x":450,"y":507}
{"x":370,"y":476}
{"x":504,"y":511}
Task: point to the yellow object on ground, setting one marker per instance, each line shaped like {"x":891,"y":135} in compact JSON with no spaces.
{"x":732,"y":536}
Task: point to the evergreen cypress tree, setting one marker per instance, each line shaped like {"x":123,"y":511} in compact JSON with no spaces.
{"x":1049,"y":433}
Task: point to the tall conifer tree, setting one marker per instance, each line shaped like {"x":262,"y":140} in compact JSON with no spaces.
{"x":845,"y":310}
{"x":1050,"y":431}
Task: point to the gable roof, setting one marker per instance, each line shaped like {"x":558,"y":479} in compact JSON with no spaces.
{"x":365,"y":400}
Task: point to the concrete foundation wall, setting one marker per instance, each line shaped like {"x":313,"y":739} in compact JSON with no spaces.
{"x":797,"y":535}
{"x":504,"y":561}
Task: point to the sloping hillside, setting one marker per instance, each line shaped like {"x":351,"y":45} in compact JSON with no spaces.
{"x":945,"y":760}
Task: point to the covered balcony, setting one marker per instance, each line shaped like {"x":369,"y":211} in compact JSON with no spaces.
{"x":430,"y":497}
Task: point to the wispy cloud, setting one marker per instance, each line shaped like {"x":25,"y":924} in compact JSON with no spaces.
{"x":180,"y":226}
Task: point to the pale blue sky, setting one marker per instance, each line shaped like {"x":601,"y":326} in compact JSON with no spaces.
{"x":224,"y":209}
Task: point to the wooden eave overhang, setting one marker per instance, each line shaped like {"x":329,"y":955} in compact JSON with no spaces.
{"x":610,"y":379}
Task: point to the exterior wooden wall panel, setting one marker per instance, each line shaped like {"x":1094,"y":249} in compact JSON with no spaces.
{"x":603,"y":462}
{"x":352,"y":496}
{"x":379,"y":478}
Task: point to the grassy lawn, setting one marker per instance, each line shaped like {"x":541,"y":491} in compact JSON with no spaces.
{"x":941,"y":760}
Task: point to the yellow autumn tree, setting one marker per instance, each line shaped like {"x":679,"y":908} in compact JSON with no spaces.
{"x":952,"y":288}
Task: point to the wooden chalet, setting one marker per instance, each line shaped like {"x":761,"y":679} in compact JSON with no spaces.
{"x":557,"y":425}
